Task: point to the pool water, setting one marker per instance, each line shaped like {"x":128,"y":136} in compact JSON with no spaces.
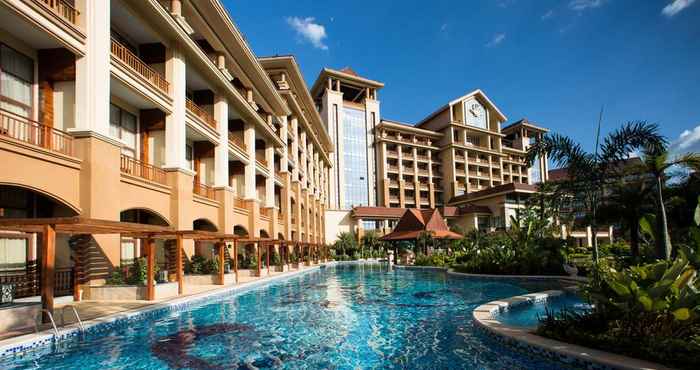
{"x":342,"y":317}
{"x":527,"y":315}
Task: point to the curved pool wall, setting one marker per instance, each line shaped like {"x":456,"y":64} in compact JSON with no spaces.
{"x":489,"y":318}
{"x":342,"y":316}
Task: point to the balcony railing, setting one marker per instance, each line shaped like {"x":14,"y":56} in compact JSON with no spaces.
{"x":236,"y":141}
{"x":133,"y":167}
{"x":63,"y":9}
{"x":201,"y":113}
{"x":261,"y":161}
{"x":204,"y":190}
{"x":34,"y":133}
{"x":266,"y":212}
{"x":151,"y":75}
{"x":239,"y":203}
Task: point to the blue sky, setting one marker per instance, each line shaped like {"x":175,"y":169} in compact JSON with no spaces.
{"x":555,"y":62}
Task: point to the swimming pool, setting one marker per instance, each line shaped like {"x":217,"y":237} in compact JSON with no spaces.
{"x":527,"y":315}
{"x":345,"y":316}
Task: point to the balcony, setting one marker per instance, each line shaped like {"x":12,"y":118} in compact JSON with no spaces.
{"x":203,"y":190}
{"x":236,"y":141}
{"x":34,"y":133}
{"x":120,"y":52}
{"x":261,"y":161}
{"x":392,"y":153}
{"x":62,"y":9}
{"x":133,"y":167}
{"x":200,"y":113}
{"x":393,"y":199}
{"x":266,"y":213}
{"x":239,"y":202}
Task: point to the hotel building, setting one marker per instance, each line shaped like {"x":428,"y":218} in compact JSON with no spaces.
{"x":157,"y":112}
{"x":459,"y":159}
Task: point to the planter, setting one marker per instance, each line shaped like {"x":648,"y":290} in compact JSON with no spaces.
{"x":296,"y":266}
{"x":282,"y":268}
{"x":129,"y":292}
{"x":209,"y":279}
{"x":252,"y":273}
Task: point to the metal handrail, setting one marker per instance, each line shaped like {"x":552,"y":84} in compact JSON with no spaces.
{"x":75,"y":312}
{"x":53,"y":323}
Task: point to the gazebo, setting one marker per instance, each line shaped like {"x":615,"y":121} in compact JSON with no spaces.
{"x":415,"y":222}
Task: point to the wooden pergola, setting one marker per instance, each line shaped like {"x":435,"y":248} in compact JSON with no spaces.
{"x":49,"y":227}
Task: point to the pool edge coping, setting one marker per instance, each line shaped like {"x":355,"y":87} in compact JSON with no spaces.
{"x":24,"y":344}
{"x":485,"y":318}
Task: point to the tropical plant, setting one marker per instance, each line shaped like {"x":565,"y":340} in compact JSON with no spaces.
{"x":424,"y":241}
{"x":657,"y":161}
{"x":371,"y":242}
{"x":589,"y":173}
{"x":345,"y":244}
{"x":649,"y":311}
{"x":627,"y":203}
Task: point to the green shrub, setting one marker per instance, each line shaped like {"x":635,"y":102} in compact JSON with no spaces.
{"x":438,"y":259}
{"x":650,"y":311}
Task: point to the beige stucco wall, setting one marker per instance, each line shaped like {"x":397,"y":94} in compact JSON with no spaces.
{"x":337,"y":221}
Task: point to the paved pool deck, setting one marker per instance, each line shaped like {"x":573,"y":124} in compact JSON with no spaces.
{"x":96,"y":310}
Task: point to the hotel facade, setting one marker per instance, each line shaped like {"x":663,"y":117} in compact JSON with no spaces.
{"x":462,"y":159}
{"x":153,"y":112}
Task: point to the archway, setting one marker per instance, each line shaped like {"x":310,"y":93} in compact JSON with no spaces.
{"x":204,"y":224}
{"x":247,"y":257}
{"x":204,"y":251}
{"x":21,"y":253}
{"x":132,"y":249}
{"x":264,"y":249}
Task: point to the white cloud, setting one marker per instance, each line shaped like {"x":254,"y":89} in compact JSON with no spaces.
{"x":547,"y":15}
{"x":496,"y":40}
{"x":309,"y":30}
{"x":580,"y":5}
{"x":687,"y":142}
{"x":676,"y":7}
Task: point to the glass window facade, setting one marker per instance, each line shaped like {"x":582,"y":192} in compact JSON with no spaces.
{"x":355,"y":158}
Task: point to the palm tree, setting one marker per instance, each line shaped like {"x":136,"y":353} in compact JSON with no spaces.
{"x":424,"y":240}
{"x":346,"y":241}
{"x":589,"y":173}
{"x":371,"y":241}
{"x":656,"y":161}
{"x":627,"y":203}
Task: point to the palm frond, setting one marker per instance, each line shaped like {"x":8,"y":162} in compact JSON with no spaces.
{"x":632,"y":136}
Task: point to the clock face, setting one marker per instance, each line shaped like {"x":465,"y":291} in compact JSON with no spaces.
{"x":476,"y":114}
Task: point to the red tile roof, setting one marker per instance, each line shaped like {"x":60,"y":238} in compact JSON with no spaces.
{"x":415,"y":221}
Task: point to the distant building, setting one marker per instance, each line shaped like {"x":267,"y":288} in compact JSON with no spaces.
{"x":458,"y":158}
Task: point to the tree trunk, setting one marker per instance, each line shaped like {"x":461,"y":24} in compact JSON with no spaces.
{"x":663,"y":245}
{"x":634,"y":238}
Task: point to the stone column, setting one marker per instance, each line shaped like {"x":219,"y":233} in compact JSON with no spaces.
{"x":221,"y":151}
{"x":175,"y":132}
{"x":92,"y":73}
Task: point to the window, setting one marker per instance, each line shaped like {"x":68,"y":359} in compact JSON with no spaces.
{"x":128,"y":252}
{"x":483,"y":222}
{"x":122,"y":125}
{"x":189,"y":156}
{"x":16,"y":76}
{"x":13,"y":253}
{"x":355,"y":158}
